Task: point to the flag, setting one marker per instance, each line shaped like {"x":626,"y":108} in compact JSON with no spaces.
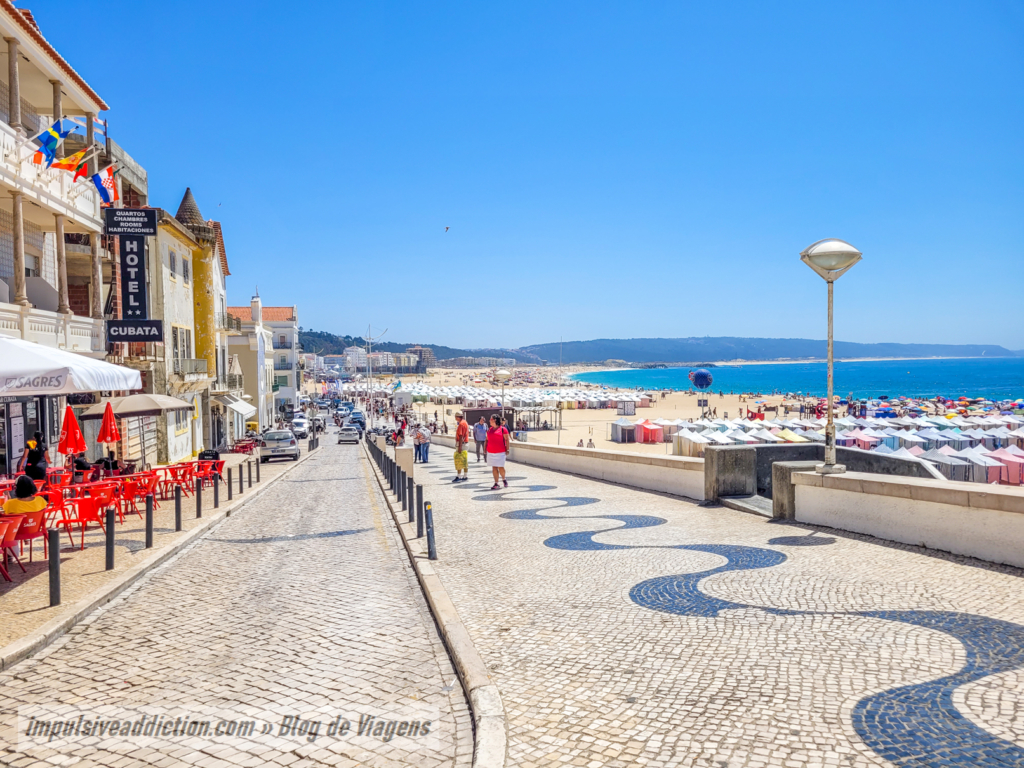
{"x":49,"y":140}
{"x":104,"y":181}
{"x":75,"y":162}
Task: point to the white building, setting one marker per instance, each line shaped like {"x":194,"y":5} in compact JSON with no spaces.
{"x":355,"y":359}
{"x":283,"y":325}
{"x":255,"y":359}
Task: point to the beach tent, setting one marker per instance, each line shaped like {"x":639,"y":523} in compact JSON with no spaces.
{"x":791,"y":437}
{"x":765,"y":436}
{"x":915,"y":450}
{"x":951,"y":468}
{"x":648,"y":432}
{"x":909,"y":440}
{"x":903,"y":453}
{"x":845,"y":440}
{"x":668,"y":428}
{"x":813,"y":436}
{"x":687,"y":443}
{"x":623,"y":431}
{"x":739,"y":436}
{"x":718,"y":438}
{"x":1014,"y":473}
{"x":983,"y":469}
{"x":1014,"y":450}
{"x":883,"y":449}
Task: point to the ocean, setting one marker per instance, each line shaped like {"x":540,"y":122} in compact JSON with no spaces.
{"x":996,"y":378}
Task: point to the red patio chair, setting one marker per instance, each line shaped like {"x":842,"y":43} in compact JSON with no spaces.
{"x":87,"y":510}
{"x":149,"y":483}
{"x":4,"y":525}
{"x":32,"y":527}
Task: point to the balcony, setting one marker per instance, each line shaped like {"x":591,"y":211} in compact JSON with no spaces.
{"x":285,"y":366}
{"x":278,"y":344}
{"x":190,"y":370}
{"x":228,"y":383}
{"x":226,"y":322}
{"x":275,"y":387}
{"x":72,"y":333}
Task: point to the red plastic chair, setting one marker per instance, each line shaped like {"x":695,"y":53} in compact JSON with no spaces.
{"x":87,"y":510}
{"x":5,"y":523}
{"x":149,"y":483}
{"x":32,"y":527}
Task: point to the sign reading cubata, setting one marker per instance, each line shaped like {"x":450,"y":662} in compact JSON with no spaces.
{"x":134,"y":330}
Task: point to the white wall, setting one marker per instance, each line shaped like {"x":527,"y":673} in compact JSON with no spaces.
{"x":677,"y":475}
{"x":980,"y":521}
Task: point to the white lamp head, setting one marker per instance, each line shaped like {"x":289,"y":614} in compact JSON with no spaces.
{"x":831,"y":258}
{"x":502,"y":375}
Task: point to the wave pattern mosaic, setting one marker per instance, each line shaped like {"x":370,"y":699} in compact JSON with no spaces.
{"x":913,"y":726}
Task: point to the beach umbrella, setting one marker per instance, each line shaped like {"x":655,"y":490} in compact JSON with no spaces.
{"x":108,"y":429}
{"x":71,"y":438}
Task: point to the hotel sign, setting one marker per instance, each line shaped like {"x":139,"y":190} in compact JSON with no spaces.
{"x":129,"y":221}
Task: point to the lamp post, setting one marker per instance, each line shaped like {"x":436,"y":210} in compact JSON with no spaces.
{"x":502,"y":375}
{"x":831,"y":258}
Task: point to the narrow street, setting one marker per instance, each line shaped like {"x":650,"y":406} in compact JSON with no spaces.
{"x":301,"y":609}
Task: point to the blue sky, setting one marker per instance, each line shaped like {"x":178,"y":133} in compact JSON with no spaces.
{"x":607,"y":169}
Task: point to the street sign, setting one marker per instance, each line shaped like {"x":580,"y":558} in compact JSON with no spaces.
{"x":129,"y":221}
{"x":121,"y":331}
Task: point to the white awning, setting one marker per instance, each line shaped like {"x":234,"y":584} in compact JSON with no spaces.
{"x":240,"y":407}
{"x":27,"y":368}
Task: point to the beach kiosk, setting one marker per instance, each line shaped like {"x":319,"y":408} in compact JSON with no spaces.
{"x":623,"y":431}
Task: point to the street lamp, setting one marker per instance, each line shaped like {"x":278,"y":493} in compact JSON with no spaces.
{"x":502,"y":376}
{"x":831,"y":258}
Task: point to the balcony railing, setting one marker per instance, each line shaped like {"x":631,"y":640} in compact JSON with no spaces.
{"x":275,"y":387}
{"x":285,"y":366}
{"x":278,"y":344}
{"x":228,"y":382}
{"x":228,"y":322}
{"x":184,"y":367}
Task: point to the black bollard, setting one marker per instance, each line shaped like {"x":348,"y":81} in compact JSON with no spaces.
{"x":431,"y":546}
{"x":241,"y":481}
{"x":177,"y":508}
{"x":53,"y":537}
{"x":401,"y":488}
{"x":249,"y":472}
{"x":216,"y":491}
{"x":149,"y":521}
{"x":110,"y":538}
{"x":419,"y":511}
{"x":410,"y":495}
{"x":199,"y":497}
{"x":229,"y":484}
{"x":258,"y":470}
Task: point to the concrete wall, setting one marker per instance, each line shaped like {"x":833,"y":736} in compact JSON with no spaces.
{"x":855,"y":460}
{"x":986,"y":522}
{"x":677,"y":475}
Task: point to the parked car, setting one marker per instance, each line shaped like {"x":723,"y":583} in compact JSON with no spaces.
{"x":348,"y":435}
{"x":358,"y":416}
{"x":279,"y":444}
{"x":300,"y":427}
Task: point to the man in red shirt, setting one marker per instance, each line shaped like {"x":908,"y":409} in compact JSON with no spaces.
{"x":461,"y":454}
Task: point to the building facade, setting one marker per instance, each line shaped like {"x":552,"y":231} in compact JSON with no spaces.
{"x":283,"y":325}
{"x":252,"y":346}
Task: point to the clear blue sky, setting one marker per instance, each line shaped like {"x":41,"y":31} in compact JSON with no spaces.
{"x":607,"y":169}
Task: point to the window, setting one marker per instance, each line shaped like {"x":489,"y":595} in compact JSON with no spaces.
{"x":185,"y":272}
{"x":283,"y":360}
{"x":172,"y":260}
{"x":177,"y":346}
{"x":188,"y":343}
{"x":181,"y":421}
{"x":281,"y":381}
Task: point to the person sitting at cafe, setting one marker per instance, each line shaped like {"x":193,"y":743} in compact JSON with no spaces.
{"x":24,"y":499}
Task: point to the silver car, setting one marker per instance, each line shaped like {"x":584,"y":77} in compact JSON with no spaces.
{"x":279,"y":444}
{"x":348,"y":435}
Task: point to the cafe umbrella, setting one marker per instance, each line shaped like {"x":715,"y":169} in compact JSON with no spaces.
{"x":108,"y":430}
{"x":72,"y":440}
{"x":137,"y":405}
{"x":27,"y":368}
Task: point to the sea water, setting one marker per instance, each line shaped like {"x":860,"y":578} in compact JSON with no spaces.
{"x":996,"y":378}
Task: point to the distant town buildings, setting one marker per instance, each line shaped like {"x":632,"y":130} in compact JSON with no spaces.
{"x":425,"y":355}
{"x":477,"y":362}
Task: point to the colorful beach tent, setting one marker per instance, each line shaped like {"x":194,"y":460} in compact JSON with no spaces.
{"x":623,"y":431}
{"x":951,"y":468}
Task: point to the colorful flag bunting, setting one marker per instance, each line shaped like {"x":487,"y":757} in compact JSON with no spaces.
{"x":49,"y":140}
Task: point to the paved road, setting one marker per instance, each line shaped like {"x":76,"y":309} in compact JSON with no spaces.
{"x":302,"y":605}
{"x":626,"y":628}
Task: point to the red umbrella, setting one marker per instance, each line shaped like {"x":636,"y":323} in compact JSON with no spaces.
{"x":71,"y":438}
{"x":108,"y":430}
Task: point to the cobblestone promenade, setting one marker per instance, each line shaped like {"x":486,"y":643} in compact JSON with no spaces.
{"x":303,"y":605}
{"x":627,"y":628}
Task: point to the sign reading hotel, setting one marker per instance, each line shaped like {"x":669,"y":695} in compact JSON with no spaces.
{"x":132,"y":226}
{"x":134,"y":299}
{"x":129,"y":221}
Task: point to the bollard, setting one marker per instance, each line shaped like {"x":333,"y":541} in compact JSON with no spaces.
{"x":249,"y":472}
{"x":199,"y":497}
{"x":241,"y":480}
{"x":177,"y":508}
{"x":110,"y":538}
{"x":216,"y":491}
{"x":410,"y":495}
{"x":229,"y":484}
{"x":258,"y":470}
{"x":431,"y":546}
{"x":419,"y":511}
{"x":149,"y":521}
{"x":53,"y":536}
{"x":401,"y":488}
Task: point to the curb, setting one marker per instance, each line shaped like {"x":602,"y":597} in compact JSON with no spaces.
{"x":41,"y":637}
{"x":490,"y":738}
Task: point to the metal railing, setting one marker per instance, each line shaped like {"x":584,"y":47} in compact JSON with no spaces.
{"x":228,"y":322}
{"x":228,"y":382}
{"x":275,"y":387}
{"x":278,"y":344}
{"x":184,"y":366}
{"x":286,"y":366}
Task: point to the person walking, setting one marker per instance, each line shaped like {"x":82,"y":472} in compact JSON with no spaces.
{"x":35,"y":459}
{"x":480,"y":438}
{"x":497,"y":449}
{"x":417,"y":442}
{"x":461,"y":454}
{"x":423,"y":436}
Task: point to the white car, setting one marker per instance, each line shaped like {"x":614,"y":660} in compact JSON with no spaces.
{"x":279,"y":444}
{"x":348,"y":435}
{"x":300,"y":427}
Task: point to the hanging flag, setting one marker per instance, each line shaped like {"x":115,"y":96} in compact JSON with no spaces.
{"x":49,"y":139}
{"x":104,"y":181}
{"x":75,"y":162}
